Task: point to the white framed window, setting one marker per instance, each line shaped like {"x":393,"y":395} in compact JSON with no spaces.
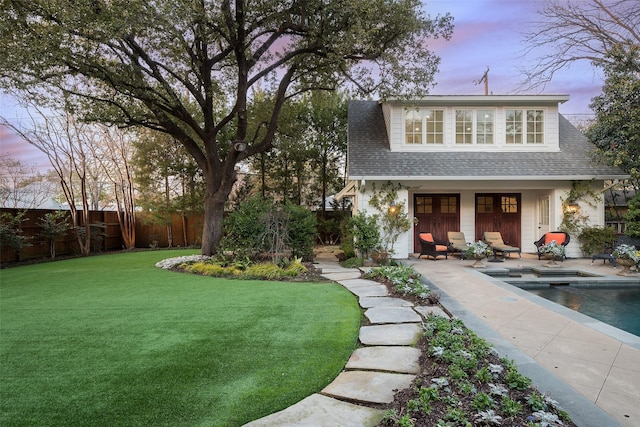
{"x":412,"y":126}
{"x":524,"y":126}
{"x":423,"y":126}
{"x":484,"y":127}
{"x":474,"y":127}
{"x":464,"y":126}
{"x":535,"y":126}
{"x":434,"y":120}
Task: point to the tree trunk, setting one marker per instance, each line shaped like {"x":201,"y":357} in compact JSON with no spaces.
{"x":212,"y":227}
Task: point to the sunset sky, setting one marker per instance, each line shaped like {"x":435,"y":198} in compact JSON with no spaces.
{"x":488,"y":33}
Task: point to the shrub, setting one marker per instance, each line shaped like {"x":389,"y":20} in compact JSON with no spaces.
{"x":264,"y":270}
{"x":259,"y":225}
{"x":244,"y":228}
{"x":294,"y":268}
{"x":593,"y":240}
{"x":366,"y":233}
{"x":11,"y":233}
{"x":632,"y":217}
{"x":301,"y":232}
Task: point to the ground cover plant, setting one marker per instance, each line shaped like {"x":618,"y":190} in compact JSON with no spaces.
{"x":462,"y":380}
{"x":114,"y":340}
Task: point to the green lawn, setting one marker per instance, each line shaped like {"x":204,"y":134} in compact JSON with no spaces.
{"x":112,"y":340}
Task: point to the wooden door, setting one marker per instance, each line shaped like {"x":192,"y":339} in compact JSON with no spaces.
{"x":499,"y":212}
{"x":437,"y":214}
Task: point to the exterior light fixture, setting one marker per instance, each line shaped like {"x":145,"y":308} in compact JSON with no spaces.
{"x":393,"y":209}
{"x":572,"y":207}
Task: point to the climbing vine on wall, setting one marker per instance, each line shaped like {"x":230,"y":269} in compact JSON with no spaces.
{"x":573,"y":219}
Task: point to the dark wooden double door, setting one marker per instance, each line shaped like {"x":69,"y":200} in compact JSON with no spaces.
{"x":440,"y":213}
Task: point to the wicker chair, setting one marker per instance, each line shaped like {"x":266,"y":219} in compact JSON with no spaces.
{"x":430,"y":247}
{"x":560,"y":237}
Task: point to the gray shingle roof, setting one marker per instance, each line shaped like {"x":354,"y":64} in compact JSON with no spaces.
{"x":369,"y":156}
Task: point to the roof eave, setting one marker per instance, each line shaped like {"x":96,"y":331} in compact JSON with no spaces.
{"x":488,"y":178}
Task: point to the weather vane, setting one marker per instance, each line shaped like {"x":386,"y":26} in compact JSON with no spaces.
{"x":485,"y":78}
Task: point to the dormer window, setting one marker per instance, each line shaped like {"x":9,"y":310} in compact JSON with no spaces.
{"x":423,"y":126}
{"x":524,"y":126}
{"x":474,"y":127}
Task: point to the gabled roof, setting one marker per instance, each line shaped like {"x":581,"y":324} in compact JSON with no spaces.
{"x":369,"y":156}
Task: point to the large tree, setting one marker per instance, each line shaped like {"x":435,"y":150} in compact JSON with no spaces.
{"x":579,"y":30}
{"x":616,"y":129}
{"x":187,"y":67}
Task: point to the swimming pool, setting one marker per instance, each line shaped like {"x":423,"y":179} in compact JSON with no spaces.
{"x":614,"y":305}
{"x":612,"y":300}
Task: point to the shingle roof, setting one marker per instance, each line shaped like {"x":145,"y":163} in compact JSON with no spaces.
{"x":369,"y":156}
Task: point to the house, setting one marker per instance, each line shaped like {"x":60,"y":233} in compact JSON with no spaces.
{"x":473,"y":164}
{"x":616,"y":204}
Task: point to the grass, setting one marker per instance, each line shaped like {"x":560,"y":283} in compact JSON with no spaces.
{"x":113,"y":340}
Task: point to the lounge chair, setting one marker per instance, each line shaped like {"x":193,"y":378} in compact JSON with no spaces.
{"x":560,"y":237}
{"x":430,"y":247}
{"x":457,"y":243}
{"x":494,"y":239}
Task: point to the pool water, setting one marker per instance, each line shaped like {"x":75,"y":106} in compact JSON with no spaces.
{"x":616,"y":306}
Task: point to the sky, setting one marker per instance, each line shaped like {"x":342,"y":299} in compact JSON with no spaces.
{"x":487,"y":34}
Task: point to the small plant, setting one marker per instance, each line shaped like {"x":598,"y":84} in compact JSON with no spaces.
{"x":54,"y":225}
{"x":627,"y":252}
{"x":478,"y":249}
{"x":404,"y":279}
{"x":483,"y":375}
{"x":516,"y":380}
{"x":552,"y":249}
{"x":482,"y":401}
{"x":352,"y":263}
{"x":458,"y":416}
{"x":488,"y":418}
{"x":536,"y":402}
{"x":546,"y":419}
{"x":511,"y":407}
{"x":498,"y":390}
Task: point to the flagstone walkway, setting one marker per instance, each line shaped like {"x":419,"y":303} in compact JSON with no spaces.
{"x":388,"y":361}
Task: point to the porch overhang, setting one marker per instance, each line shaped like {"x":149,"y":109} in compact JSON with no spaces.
{"x":348,"y":191}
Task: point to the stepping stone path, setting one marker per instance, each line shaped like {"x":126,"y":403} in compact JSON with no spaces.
{"x":386,"y":362}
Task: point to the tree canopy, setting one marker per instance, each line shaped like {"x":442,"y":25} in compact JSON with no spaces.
{"x":579,"y":30}
{"x":616,"y":130}
{"x":187,"y":67}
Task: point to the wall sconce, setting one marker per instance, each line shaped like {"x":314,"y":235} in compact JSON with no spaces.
{"x":572,"y":208}
{"x":393,"y":209}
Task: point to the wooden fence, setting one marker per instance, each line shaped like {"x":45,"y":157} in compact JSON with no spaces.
{"x":185,"y":230}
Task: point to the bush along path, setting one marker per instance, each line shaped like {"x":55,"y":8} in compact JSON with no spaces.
{"x":417,"y":367}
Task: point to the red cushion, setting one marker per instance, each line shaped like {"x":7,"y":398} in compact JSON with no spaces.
{"x":426,"y":236}
{"x":558,"y":237}
{"x":441,"y":248}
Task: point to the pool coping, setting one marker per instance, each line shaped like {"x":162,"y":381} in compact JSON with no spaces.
{"x":616,"y":333}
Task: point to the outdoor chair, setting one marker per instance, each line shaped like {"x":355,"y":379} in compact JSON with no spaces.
{"x":494,"y":239}
{"x":607,"y":253}
{"x":457,"y":243}
{"x":430,"y":247}
{"x":560,"y":237}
